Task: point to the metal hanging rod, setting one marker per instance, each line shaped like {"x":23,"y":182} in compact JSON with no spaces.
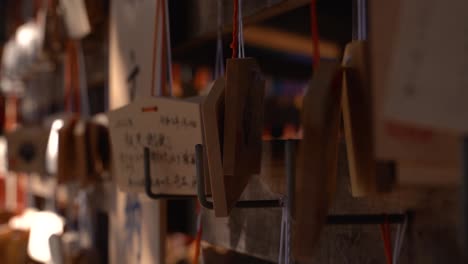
{"x":148,"y":184}
{"x":290,"y":150}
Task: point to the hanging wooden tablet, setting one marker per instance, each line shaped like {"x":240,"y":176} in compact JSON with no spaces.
{"x":26,"y":149}
{"x":206,"y":172}
{"x":171,"y":128}
{"x":318,"y":158}
{"x":400,"y":141}
{"x":135,"y":61}
{"x":243,"y":118}
{"x":357,"y":119}
{"x":212,"y":111}
{"x":99,"y":144}
{"x":424,"y":61}
{"x":397,"y":140}
{"x":75,"y":18}
{"x":83,"y":163}
{"x":66,"y":154}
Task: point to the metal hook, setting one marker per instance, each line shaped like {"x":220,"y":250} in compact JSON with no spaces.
{"x":202,"y":198}
{"x":275,"y":203}
{"x":148,"y":183}
{"x":290,"y":149}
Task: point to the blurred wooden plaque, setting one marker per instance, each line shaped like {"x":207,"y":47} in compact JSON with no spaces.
{"x":213,"y":123}
{"x":357,"y":119}
{"x":315,"y":185}
{"x":170,"y":128}
{"x":26,"y":149}
{"x":243,"y":118}
{"x":415,"y":147}
{"x":66,"y":151}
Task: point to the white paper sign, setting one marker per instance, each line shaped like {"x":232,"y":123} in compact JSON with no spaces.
{"x":170,"y":128}
{"x":137,"y":224}
{"x":428,"y":80}
{"x":137,"y":230}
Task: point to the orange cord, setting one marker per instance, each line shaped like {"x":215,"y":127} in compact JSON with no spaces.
{"x":72,"y":85}
{"x":197,"y":245}
{"x":76,"y":78}
{"x":68,"y":81}
{"x":385,"y":232}
{"x":315,"y":33}
{"x":198,"y":238}
{"x":235,"y":26}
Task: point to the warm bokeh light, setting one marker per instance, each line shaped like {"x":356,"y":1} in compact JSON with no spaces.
{"x":44,"y":225}
{"x":52,"y":146}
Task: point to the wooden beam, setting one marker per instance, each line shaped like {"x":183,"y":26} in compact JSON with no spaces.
{"x":287,"y":42}
{"x":263,"y":13}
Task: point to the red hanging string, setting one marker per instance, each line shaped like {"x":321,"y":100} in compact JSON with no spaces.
{"x":76,"y":78}
{"x":315,"y":33}
{"x":235,"y":27}
{"x":72,"y":85}
{"x":385,"y":232}
{"x":196,"y":256}
{"x":68,"y":79}
{"x":11,"y":112}
{"x":155,"y":48}
{"x":36,"y":6}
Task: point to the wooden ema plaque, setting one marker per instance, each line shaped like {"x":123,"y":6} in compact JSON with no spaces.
{"x":318,"y":158}
{"x":171,"y":129}
{"x":213,"y":113}
{"x":423,"y":156}
{"x":84,"y":160}
{"x":26,"y":149}
{"x":244,"y":90}
{"x":66,"y":151}
{"x":399,"y":140}
{"x":99,"y":144}
{"x":357,"y":120}
{"x":243,"y":118}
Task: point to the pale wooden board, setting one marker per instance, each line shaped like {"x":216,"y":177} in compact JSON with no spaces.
{"x":316,"y":177}
{"x":131,"y":30}
{"x":431,"y":238}
{"x":427,"y":80}
{"x":357,"y":119}
{"x":138,"y":229}
{"x":171,"y":132}
{"x":396,"y":140}
{"x":212,"y":112}
{"x":131,"y":46}
{"x":76,"y":18}
{"x":243,"y":122}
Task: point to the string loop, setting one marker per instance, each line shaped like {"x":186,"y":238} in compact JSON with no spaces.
{"x":219,"y":64}
{"x":235,"y":35}
{"x":162,"y":13}
{"x":237,"y":44}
